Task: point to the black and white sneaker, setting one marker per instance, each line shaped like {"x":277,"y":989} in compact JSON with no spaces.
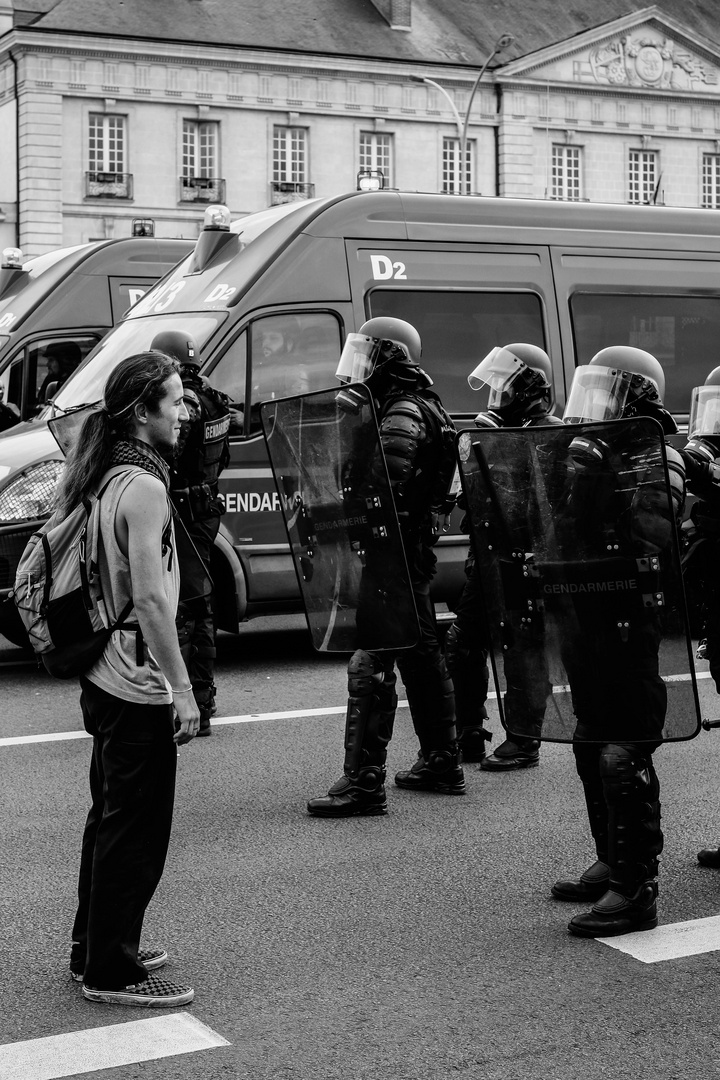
{"x":151,"y":960}
{"x":155,"y":992}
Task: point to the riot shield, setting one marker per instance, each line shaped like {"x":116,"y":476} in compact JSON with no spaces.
{"x":575,"y":535}
{"x":339,"y":513}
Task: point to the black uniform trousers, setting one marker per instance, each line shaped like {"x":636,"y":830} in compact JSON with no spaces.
{"x":127,"y":833}
{"x":201,"y":662}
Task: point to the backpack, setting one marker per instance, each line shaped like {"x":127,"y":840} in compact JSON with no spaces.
{"x":57,"y":588}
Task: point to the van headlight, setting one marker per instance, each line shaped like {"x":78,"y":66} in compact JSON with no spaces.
{"x":31,"y":495}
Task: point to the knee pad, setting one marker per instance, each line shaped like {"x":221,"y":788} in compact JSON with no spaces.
{"x":457,"y":647}
{"x":362,"y":674}
{"x":629,"y":777}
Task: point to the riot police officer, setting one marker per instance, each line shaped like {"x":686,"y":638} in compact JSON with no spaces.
{"x":201,"y":455}
{"x":701,"y":456}
{"x":519,"y":378}
{"x":417,"y":438}
{"x":618,"y":697}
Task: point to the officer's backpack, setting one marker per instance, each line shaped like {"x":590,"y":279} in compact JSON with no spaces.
{"x":57,"y":588}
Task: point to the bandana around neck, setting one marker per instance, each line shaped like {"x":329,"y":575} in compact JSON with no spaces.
{"x":129,"y":451}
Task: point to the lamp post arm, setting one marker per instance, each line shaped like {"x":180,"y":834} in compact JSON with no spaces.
{"x":502,"y":43}
{"x":463,"y":138}
{"x":453,"y":106}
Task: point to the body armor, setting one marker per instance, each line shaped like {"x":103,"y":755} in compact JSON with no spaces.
{"x":418,"y":440}
{"x":203,"y":452}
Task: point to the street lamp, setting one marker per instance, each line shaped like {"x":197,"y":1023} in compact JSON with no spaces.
{"x":503,"y":42}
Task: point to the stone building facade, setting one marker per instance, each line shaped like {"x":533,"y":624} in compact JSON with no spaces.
{"x":99,"y":130}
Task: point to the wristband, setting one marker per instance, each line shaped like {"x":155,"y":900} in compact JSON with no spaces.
{"x":174,"y":691}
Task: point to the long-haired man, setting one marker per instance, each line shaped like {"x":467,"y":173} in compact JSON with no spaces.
{"x":136,"y":700}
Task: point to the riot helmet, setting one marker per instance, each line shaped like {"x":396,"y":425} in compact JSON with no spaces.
{"x":519,"y":377}
{"x":386,"y":346}
{"x":619,"y":381}
{"x":179,"y":345}
{"x":704,"y":418}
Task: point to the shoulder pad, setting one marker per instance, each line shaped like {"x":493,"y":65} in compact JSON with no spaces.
{"x":404,"y":406}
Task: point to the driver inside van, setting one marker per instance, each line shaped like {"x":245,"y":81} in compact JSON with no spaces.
{"x":277,"y":364}
{"x":61,"y":357}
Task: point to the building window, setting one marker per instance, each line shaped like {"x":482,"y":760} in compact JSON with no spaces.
{"x":289,"y":155}
{"x":200,"y":142}
{"x":451,"y":171}
{"x":642,"y":180}
{"x":199,"y":181}
{"x":106,"y":143}
{"x":711,"y":181}
{"x":289,"y":180}
{"x":376,"y":153}
{"x":565,"y":173}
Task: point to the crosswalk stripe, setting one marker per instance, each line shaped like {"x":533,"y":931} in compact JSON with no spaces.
{"x":669,"y":942}
{"x":78,"y":1052}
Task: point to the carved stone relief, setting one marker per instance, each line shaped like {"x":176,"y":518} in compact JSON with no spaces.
{"x":648,"y":61}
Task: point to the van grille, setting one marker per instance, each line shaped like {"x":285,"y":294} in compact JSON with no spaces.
{"x":12,"y":545}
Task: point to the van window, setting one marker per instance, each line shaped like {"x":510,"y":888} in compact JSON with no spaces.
{"x":681,"y":331}
{"x":38,"y":370}
{"x":51,"y":361}
{"x":229,"y":376}
{"x":289,"y":354}
{"x":458,"y":329}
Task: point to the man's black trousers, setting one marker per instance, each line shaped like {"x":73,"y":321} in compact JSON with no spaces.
{"x":132,"y":784}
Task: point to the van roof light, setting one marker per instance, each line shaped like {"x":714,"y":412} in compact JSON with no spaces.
{"x":370,"y":180}
{"x":12,"y":259}
{"x":216,"y":216}
{"x":143,"y":227}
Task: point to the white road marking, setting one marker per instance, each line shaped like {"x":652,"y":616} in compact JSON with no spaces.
{"x":256,"y":718}
{"x":88,"y":1051}
{"x":671,"y":941}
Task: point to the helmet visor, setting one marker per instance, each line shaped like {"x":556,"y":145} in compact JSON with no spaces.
{"x":597,"y":393}
{"x":506,"y":375}
{"x":704,"y":411}
{"x":358,"y":358}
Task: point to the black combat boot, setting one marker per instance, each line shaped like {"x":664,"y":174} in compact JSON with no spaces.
{"x":515,"y":753}
{"x":205,"y":699}
{"x":616,"y":914}
{"x":441,"y":772}
{"x":372,"y":702}
{"x":467,"y":664}
{"x":363,"y":795}
{"x":595,"y":881}
{"x":472,"y":742}
{"x":709,"y":857}
{"x":591,"y":885}
{"x":635,"y":840}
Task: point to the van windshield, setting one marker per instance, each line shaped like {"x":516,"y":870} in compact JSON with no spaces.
{"x":88,"y":382}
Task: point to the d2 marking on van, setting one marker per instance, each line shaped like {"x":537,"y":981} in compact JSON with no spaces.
{"x":7,"y":320}
{"x":383,"y":268}
{"x":220,"y":294}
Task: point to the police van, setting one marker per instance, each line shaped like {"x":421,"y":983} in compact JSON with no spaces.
{"x":270,"y":298}
{"x":55,"y":308}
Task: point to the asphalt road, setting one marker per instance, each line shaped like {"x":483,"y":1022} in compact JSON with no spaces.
{"x":419,"y":946}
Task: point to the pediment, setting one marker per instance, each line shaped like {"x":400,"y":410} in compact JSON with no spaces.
{"x":644,"y":51}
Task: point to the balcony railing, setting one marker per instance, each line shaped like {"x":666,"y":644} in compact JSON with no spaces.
{"x":285,"y":191}
{"x":108,"y":185}
{"x":204,"y":189}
